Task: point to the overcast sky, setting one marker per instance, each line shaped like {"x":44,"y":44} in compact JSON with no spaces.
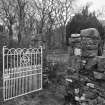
{"x":95,"y":4}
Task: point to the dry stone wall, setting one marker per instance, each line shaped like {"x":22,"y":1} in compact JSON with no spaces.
{"x":88,"y":66}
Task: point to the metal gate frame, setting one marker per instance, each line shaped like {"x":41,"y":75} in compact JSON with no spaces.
{"x":22,"y":71}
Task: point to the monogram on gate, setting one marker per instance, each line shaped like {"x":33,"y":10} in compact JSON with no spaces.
{"x":25,"y":59}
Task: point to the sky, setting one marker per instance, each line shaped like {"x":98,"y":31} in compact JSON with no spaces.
{"x":95,"y":5}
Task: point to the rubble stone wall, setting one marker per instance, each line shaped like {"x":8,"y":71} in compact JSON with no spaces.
{"x":88,"y":65}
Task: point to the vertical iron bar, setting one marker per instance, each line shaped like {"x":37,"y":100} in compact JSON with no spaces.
{"x":35,"y":76}
{"x":3,"y":73}
{"x":26,"y":79}
{"x":41,"y":65}
{"x":10,"y":80}
{"x":19,"y":79}
{"x":30,"y":77}
{"x":14,"y":74}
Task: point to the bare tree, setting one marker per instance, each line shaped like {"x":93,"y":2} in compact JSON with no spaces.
{"x":7,"y":15}
{"x":20,"y":10}
{"x":63,"y":13}
{"x":43,"y":14}
{"x":52,"y":14}
{"x":13,"y":11}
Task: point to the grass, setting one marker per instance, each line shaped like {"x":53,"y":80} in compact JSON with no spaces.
{"x":43,"y":97}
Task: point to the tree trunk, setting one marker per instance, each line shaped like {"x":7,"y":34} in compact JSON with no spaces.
{"x":19,"y":37}
{"x":10,"y":35}
{"x":67,"y":37}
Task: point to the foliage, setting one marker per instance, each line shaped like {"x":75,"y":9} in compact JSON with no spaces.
{"x":55,"y":75}
{"x":84,"y":20}
{"x":1,"y":28}
{"x":34,"y":17}
{"x":3,"y":42}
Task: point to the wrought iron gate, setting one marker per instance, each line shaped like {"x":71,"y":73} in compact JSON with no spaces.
{"x":22,"y":71}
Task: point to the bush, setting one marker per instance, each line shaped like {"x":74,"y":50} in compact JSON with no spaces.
{"x":82,"y":21}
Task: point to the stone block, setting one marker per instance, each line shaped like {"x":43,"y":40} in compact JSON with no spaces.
{"x":90,"y":63}
{"x":101,"y":63}
{"x":90,"y":32}
{"x":98,"y":75}
{"x":77,"y":51}
{"x":89,"y":47}
{"x":76,"y":45}
{"x":75,"y":35}
{"x":90,"y":94}
{"x":74,"y":40}
{"x":75,"y":62}
{"x":89,"y":41}
{"x":89,"y":53}
{"x":100,"y":100}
